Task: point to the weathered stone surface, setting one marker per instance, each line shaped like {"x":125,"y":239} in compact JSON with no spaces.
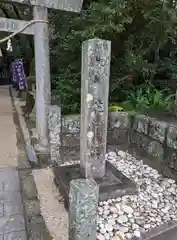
{"x":38,"y":231}
{"x":54,"y":118}
{"x":32,"y":208}
{"x":71,"y":154}
{"x":43,"y":81}
{"x":65,"y":5}
{"x":132,"y":137}
{"x":139,"y":139}
{"x":70,"y":140}
{"x":19,"y":235}
{"x":9,"y":180}
{"x":119,"y":120}
{"x":29,"y":188}
{"x":171,"y":157}
{"x":12,"y":224}
{"x":158,"y":130}
{"x":71,"y":124}
{"x":118,"y":126}
{"x":117,"y":136}
{"x":10,"y":204}
{"x":147,"y":144}
{"x":35,"y":224}
{"x":94,"y":106}
{"x":172,"y":137}
{"x":55,"y":147}
{"x":54,"y":137}
{"x":143,"y":141}
{"x":54,"y":123}
{"x":155,"y":149}
{"x":141,"y":124}
{"x":13,"y":25}
{"x":113,"y":185}
{"x":153,"y":137}
{"x":83,"y":209}
{"x":167,"y":230}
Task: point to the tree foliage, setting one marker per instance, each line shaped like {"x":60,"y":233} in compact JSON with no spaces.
{"x":144,"y":49}
{"x":143,"y":36}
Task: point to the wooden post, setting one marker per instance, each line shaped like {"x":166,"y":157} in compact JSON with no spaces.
{"x":43,"y":85}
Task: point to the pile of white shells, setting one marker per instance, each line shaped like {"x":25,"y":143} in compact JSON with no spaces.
{"x":128,"y":216}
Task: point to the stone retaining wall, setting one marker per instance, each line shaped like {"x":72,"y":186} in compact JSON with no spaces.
{"x":71,"y":123}
{"x":151,"y":137}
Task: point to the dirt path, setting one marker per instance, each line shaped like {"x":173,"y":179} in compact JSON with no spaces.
{"x":12,"y":220}
{"x":8,"y":140}
{"x":22,"y":203}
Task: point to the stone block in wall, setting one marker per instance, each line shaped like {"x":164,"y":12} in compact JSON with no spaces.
{"x":141,"y":124}
{"x":139,"y":140}
{"x":54,"y":126}
{"x":70,"y":139}
{"x":71,"y":124}
{"x":170,"y":157}
{"x":117,"y":136}
{"x":118,"y":127}
{"x":157,"y":130}
{"x":155,"y":149}
{"x":146,"y":144}
{"x":119,"y":120}
{"x":172,"y":137}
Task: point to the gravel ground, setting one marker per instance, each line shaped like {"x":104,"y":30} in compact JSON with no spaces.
{"x":128,"y":216}
{"x":120,"y":218}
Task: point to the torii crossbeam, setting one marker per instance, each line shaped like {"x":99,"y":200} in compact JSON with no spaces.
{"x":67,"y":5}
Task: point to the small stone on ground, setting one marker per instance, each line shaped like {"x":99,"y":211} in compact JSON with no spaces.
{"x":129,"y":216}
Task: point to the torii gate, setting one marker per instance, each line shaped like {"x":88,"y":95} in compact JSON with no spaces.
{"x":40,"y":30}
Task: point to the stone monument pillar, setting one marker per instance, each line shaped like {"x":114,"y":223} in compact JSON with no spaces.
{"x":96,"y":54}
{"x":93,"y":140}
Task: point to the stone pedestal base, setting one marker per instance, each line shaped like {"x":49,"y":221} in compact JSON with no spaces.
{"x":114,"y":184}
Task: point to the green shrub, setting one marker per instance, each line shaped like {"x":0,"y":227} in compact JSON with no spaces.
{"x":149,"y":98}
{"x":68,"y":92}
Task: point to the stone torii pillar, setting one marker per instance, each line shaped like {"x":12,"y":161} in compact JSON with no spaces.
{"x":43,"y":85}
{"x":40,"y":30}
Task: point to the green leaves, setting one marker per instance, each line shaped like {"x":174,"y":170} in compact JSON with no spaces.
{"x":149,"y":98}
{"x":143,"y":35}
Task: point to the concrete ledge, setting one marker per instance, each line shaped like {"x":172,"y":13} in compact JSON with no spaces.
{"x":166,"y":231}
